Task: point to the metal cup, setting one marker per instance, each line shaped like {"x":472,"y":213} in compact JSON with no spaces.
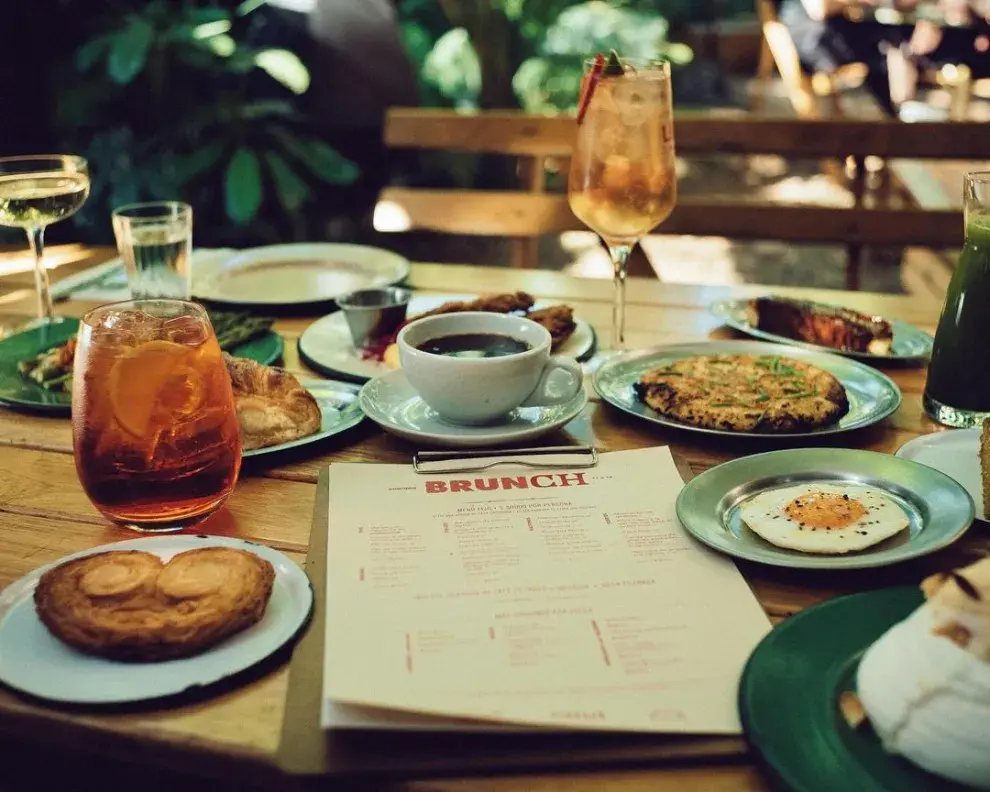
{"x":373,"y":314}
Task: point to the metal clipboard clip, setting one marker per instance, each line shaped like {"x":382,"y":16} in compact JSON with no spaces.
{"x":564,"y":457}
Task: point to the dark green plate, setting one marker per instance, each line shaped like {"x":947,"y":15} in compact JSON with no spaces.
{"x":20,"y":393}
{"x":789,"y":692}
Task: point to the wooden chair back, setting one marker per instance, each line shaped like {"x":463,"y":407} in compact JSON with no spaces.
{"x":531,"y":211}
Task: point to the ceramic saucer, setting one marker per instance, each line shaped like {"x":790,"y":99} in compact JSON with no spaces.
{"x":391,"y":402}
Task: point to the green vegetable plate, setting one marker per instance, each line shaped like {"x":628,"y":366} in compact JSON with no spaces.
{"x":18,"y":392}
{"x":789,"y":693}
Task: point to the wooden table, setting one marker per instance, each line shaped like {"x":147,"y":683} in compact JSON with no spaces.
{"x":44,"y":514}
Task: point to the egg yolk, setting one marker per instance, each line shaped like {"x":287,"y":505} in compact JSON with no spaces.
{"x":825,"y":510}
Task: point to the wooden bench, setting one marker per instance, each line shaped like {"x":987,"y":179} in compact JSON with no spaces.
{"x":531,"y":211}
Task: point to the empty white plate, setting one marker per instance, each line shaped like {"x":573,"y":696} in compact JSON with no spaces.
{"x":326,"y":345}
{"x":298,"y":274}
{"x":392,"y":403}
{"x":34,"y":661}
{"x":955,"y":452}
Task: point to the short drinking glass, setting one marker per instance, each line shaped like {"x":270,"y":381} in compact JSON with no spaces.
{"x":153,"y":423}
{"x":155,"y":242}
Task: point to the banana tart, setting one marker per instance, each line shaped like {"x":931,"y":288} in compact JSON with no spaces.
{"x":130,"y":605}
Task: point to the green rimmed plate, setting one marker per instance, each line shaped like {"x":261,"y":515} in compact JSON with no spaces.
{"x":789,"y":692}
{"x":872,"y":396}
{"x":938,"y":508}
{"x":340,"y":408}
{"x":910,"y":344}
{"x":20,"y":393}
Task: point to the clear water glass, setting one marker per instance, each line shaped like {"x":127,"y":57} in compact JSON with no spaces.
{"x":155,"y":242}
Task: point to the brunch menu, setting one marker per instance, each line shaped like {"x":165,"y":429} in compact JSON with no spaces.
{"x":564,"y":598}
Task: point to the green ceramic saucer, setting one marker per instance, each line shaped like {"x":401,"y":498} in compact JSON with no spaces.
{"x":937,"y":507}
{"x":21,"y":393}
{"x":789,"y":691}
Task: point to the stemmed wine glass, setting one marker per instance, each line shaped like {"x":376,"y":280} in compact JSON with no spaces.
{"x":35,"y":191}
{"x":623,"y":180}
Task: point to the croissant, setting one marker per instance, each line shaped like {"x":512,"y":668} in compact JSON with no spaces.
{"x":272,"y":407}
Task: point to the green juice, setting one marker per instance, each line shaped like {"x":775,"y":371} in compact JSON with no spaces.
{"x":959,"y":372}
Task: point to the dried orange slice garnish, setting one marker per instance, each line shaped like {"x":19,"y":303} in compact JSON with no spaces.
{"x":154,"y":382}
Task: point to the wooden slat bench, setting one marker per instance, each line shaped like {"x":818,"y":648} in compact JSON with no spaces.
{"x":531,"y":212}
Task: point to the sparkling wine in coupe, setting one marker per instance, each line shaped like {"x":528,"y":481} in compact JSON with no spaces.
{"x":623,"y":179}
{"x":34,"y":192}
{"x":31,"y":200}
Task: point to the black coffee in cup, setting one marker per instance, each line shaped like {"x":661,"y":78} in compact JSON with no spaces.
{"x":474,"y":345}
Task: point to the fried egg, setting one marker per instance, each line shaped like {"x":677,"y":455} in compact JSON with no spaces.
{"x":823,"y":518}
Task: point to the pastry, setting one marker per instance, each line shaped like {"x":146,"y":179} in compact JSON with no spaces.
{"x":272,"y":407}
{"x":744,"y":393}
{"x":824,"y":325}
{"x":925,"y":683}
{"x":129,"y":605}
{"x":985,"y":465}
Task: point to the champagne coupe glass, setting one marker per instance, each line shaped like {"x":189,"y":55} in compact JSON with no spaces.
{"x":35,"y":191}
{"x":623,"y":180}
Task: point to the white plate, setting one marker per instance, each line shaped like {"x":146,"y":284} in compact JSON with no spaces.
{"x":954,"y":452}
{"x":297,"y":274}
{"x":391,"y":402}
{"x":326,"y":345}
{"x":34,"y":661}
{"x":339,"y":407}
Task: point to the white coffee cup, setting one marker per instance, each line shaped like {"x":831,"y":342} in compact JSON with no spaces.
{"x":482,"y":390}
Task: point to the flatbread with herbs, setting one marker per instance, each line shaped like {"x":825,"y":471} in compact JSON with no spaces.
{"x":744,"y":393}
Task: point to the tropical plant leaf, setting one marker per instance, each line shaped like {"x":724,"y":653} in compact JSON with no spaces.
{"x":292,"y":191}
{"x":129,"y":51}
{"x":319,"y":158}
{"x":248,"y":6}
{"x":243,"y":189}
{"x":285,"y":67}
{"x":201,"y":160}
{"x":222,"y":45}
{"x":206,"y":15}
{"x":90,"y":52}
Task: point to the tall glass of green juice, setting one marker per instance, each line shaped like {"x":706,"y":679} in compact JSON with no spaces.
{"x":958,"y":389}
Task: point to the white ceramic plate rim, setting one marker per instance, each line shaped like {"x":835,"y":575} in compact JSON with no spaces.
{"x":312,"y":339}
{"x":384,"y":268}
{"x":916,"y":447}
{"x":169,"y":678}
{"x":315,"y":386}
{"x":467,"y":436}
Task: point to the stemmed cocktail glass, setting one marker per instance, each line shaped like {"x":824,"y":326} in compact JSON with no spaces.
{"x":36,"y":191}
{"x":623,"y":180}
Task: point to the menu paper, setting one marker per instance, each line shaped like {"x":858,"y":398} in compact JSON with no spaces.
{"x":543,"y":598}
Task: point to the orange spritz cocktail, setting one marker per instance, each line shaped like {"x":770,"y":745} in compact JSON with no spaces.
{"x":154,"y":429}
{"x":623,"y":179}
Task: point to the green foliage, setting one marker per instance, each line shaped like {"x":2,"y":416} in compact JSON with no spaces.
{"x":243,"y":187}
{"x":453,"y":67}
{"x":198,"y":136}
{"x":547,"y":43}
